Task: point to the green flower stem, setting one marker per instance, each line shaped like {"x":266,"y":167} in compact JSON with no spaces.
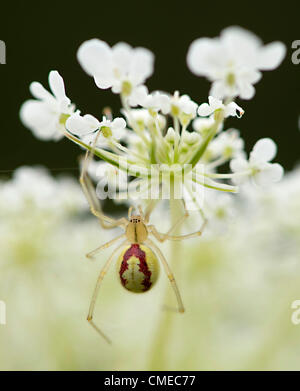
{"x":158,"y":354}
{"x":207,"y":182}
{"x":219,"y":117}
{"x":132,"y":121}
{"x":111,"y":158}
{"x":228,"y":176}
{"x":176,"y":141}
{"x":183,"y":131}
{"x":127,"y":151}
{"x":218,"y":162}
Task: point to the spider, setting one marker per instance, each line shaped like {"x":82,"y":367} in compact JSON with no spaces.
{"x":138,"y":262}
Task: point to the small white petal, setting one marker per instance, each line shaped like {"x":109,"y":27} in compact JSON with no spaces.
{"x":57,"y":85}
{"x":122,"y":57}
{"x":37,"y":116}
{"x":271,"y":56}
{"x":241,"y":41}
{"x":141,"y":66}
{"x":138,"y":96}
{"x":35,"y":113}
{"x":95,"y":57}
{"x":165,"y":103}
{"x":187,"y":106}
{"x":199,"y":55}
{"x":247,"y":91}
{"x":219,"y":90}
{"x":215,"y":103}
{"x":232,"y":109}
{"x":205,"y":110}
{"x":239,"y":165}
{"x":264,"y":150}
{"x":271,"y":173}
{"x":82,"y":125}
{"x":118,"y":123}
{"x":200,"y":124}
{"x":39,"y":92}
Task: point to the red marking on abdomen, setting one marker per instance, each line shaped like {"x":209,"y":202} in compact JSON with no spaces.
{"x":136,"y":251}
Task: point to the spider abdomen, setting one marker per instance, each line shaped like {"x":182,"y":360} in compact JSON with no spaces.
{"x":138,"y":268}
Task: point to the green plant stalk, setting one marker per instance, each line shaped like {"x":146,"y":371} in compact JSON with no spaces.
{"x":219,"y":117}
{"x":109,"y":157}
{"x":159,"y":351}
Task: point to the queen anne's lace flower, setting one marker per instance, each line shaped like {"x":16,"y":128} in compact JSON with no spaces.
{"x":233,"y":62}
{"x":157,"y":139}
{"x":258,"y":167}
{"x":122,"y":68}
{"x":46,"y":116}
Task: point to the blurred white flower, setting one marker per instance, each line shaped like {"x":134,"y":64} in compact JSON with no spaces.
{"x":121,"y":67}
{"x":46,"y":116}
{"x":231,"y":109}
{"x":155,"y":101}
{"x":181,"y":105}
{"x":233,"y":61}
{"x":202,"y":125}
{"x":171,"y":136}
{"x":35,"y":187}
{"x":191,"y":138}
{"x":143,"y":119}
{"x":114,"y":129}
{"x":178,"y":106}
{"x":220,"y":211}
{"x":228,"y":144}
{"x":258,"y":167}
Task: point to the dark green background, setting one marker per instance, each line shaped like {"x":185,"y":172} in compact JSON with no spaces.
{"x":45,"y":36}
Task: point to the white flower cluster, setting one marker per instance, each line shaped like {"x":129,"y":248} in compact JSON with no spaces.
{"x":145,"y":137}
{"x":35,"y":187}
{"x":46,"y":115}
{"x":244,"y":272}
{"x":233,"y":61}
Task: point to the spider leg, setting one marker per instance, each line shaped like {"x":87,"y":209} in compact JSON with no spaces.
{"x":130,"y":211}
{"x":96,"y":290}
{"x":141,"y":212}
{"x":149,"y":210}
{"x":161,"y":237}
{"x":90,"y":193}
{"x":169,"y":274}
{"x":91,"y":254}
